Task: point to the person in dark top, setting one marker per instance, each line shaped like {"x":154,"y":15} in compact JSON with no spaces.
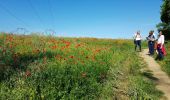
{"x":151,"y":42}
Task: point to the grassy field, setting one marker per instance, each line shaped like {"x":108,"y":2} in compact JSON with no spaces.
{"x":49,"y":68}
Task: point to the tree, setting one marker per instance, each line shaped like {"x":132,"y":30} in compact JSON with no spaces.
{"x":164,"y":26}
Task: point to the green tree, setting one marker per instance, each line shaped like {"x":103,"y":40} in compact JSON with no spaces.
{"x":164,"y":26}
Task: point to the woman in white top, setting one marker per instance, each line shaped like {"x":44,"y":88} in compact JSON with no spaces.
{"x":137,"y":40}
{"x":161,"y":39}
{"x":160,"y":46}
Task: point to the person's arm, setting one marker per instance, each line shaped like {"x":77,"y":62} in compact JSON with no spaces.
{"x":149,"y":38}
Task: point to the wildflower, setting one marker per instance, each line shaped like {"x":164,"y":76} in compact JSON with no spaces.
{"x":27,"y":73}
{"x":93,"y":58}
{"x":37,"y":50}
{"x":82,"y":53}
{"x":54,"y":47}
{"x":44,"y":50}
{"x":87,"y":48}
{"x":78,"y":45}
{"x":63,"y":48}
{"x":67,"y":43}
{"x":4,"y":50}
{"x":82,"y":62}
{"x":58,"y":57}
{"x":83,"y":74}
{"x":102,"y":63}
{"x":98,"y":50}
{"x":15,"y":56}
{"x":11,"y":46}
{"x":103,"y":75}
{"x":45,"y":59}
{"x":72,"y":57}
{"x":87,"y":57}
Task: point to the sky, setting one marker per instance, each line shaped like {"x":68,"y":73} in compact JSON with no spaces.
{"x":81,"y":18}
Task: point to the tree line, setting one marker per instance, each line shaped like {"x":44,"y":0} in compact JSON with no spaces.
{"x":164,"y":26}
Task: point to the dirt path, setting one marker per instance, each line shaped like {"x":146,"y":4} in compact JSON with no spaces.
{"x":163,"y":82}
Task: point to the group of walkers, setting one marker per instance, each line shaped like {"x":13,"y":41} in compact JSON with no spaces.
{"x":155,"y":45}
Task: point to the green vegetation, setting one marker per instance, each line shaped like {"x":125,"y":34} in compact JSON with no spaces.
{"x":47,"y":68}
{"x":165,"y":18}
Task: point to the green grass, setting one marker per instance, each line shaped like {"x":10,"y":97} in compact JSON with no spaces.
{"x":38,"y":67}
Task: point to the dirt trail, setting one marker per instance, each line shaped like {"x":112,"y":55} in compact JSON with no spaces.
{"x":163,"y":82}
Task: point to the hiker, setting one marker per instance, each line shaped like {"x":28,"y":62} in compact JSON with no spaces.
{"x":137,"y":40}
{"x":151,"y":42}
{"x":160,"y":46}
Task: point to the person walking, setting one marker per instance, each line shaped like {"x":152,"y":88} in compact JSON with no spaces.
{"x":137,"y":41}
{"x":160,"y":46}
{"x":151,"y":42}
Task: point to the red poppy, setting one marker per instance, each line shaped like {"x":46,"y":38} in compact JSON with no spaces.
{"x":72,"y":57}
{"x":67,"y":43}
{"x":54,"y":47}
{"x":78,"y":45}
{"x":98,"y":50}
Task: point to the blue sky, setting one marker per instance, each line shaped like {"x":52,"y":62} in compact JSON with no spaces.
{"x":81,"y":18}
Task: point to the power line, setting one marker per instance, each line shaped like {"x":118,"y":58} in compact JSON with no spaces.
{"x":36,"y":13}
{"x":50,"y":32}
{"x":51,"y":12}
{"x":20,"y":30}
{"x":13,"y":15}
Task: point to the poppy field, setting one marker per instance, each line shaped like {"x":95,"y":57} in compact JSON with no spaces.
{"x":36,"y":67}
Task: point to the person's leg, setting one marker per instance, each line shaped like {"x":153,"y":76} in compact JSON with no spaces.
{"x":157,"y":57}
{"x":149,"y":47}
{"x":135,"y":45}
{"x":160,"y":54}
{"x":140,"y":45}
{"x":152,"y":48}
